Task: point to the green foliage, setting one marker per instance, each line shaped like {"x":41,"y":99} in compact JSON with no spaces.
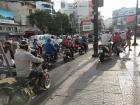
{"x":41,"y":19}
{"x":47,"y":23}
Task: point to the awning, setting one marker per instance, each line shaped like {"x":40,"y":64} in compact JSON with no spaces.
{"x":5,"y":34}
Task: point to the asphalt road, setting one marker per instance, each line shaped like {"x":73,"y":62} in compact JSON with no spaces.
{"x":61,"y":71}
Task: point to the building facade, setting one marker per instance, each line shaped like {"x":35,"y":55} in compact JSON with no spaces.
{"x":125,"y":17}
{"x":48,"y":6}
{"x":8,"y":26}
{"x":83,"y":10}
{"x":108,"y":23}
{"x":21,"y":11}
{"x":66,"y":8}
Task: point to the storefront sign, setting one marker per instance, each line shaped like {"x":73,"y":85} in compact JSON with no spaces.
{"x":7,"y":21}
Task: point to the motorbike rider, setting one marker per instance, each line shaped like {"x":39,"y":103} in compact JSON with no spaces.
{"x":50,"y":49}
{"x":68,"y":43}
{"x":116,"y":39}
{"x":84,"y":43}
{"x":24,"y":61}
{"x":105,"y":38}
{"x":76,"y":42}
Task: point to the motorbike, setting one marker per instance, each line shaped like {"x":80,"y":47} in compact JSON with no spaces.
{"x":67,"y":55}
{"x":76,"y":47}
{"x":118,"y":48}
{"x":81,"y":50}
{"x":103,"y":52}
{"x":49,"y":60}
{"x":20,"y":91}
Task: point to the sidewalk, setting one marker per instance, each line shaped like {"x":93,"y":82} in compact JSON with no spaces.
{"x":114,"y":82}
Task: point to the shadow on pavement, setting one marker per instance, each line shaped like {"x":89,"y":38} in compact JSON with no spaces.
{"x":88,"y":77}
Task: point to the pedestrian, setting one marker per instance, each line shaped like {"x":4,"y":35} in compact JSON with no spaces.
{"x":9,"y":54}
{"x":15,"y":45}
{"x":128,"y":38}
{"x":123,"y":37}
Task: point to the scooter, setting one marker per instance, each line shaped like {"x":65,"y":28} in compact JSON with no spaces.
{"x":81,"y":50}
{"x":117,"y":48}
{"x":67,"y":55}
{"x":103,"y":52}
{"x":49,"y":61}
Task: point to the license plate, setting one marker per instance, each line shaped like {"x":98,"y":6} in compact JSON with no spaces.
{"x":4,"y":100}
{"x":100,"y":51}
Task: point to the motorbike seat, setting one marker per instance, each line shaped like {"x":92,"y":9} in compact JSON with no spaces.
{"x":22,"y":81}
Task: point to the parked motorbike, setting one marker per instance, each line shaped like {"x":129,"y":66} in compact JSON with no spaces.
{"x":103,"y":52}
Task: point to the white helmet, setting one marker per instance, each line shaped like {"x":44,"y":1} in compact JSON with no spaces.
{"x":69,"y":37}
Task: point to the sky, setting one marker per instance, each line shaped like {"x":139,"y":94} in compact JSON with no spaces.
{"x":109,"y":6}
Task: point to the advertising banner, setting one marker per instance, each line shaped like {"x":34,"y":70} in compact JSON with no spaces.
{"x":6,"y":16}
{"x":130,"y":19}
{"x":124,"y":12}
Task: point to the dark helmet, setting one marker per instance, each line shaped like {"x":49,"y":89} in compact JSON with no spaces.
{"x":7,"y":43}
{"x":23,"y":44}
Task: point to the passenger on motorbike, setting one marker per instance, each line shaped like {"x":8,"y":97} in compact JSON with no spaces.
{"x":50,"y":49}
{"x":105,"y":40}
{"x":24,"y":61}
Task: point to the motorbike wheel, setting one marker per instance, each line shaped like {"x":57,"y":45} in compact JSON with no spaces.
{"x":47,"y":83}
{"x":101,"y":57}
{"x":118,"y":53}
{"x":80,"y":53}
{"x":65,"y":59}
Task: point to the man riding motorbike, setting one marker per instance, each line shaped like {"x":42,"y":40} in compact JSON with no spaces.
{"x":116,"y":42}
{"x":105,"y":38}
{"x":24,"y":61}
{"x":84,"y":43}
{"x":68,"y":43}
{"x":50,"y":49}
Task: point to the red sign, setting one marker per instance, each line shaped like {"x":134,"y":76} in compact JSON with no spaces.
{"x":130,"y":19}
{"x":86,"y":22}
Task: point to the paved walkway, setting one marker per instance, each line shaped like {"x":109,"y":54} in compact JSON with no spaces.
{"x":114,"y":82}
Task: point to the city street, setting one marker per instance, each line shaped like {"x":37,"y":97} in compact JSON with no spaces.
{"x":86,"y":81}
{"x":40,"y":34}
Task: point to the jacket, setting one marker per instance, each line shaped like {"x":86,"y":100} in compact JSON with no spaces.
{"x":49,"y":48}
{"x":23,"y":62}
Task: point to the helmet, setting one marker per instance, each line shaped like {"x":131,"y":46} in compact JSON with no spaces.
{"x":7,"y":43}
{"x":48,"y":40}
{"x":69,"y":37}
{"x":107,"y":31}
{"x":23,"y":43}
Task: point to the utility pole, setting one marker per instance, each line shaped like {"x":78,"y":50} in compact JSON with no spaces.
{"x":136,"y":24}
{"x":95,"y":35}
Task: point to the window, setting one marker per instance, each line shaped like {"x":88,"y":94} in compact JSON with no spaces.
{"x":15,"y":29}
{"x":30,"y":11}
{"x":0,"y":27}
{"x":46,"y":5}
